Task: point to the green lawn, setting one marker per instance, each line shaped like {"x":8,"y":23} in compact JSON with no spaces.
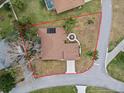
{"x":5,"y":21}
{"x":36,"y":9}
{"x":98,"y":90}
{"x":64,"y":89}
{"x":112,"y":45}
{"x":116,"y":67}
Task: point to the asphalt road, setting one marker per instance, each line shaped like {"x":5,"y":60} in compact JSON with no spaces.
{"x":96,"y":76}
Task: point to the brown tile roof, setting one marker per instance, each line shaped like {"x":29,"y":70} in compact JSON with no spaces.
{"x":53,"y":46}
{"x":64,"y":5}
{"x":71,"y":51}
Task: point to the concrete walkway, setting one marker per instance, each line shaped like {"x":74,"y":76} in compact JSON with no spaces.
{"x":81,"y":89}
{"x":114,"y":52}
{"x":70,"y":66}
{"x":13,"y":10}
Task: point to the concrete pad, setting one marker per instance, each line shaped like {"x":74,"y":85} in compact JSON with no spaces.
{"x":70,"y":66}
{"x":81,"y":89}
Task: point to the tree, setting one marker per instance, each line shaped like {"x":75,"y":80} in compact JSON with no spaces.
{"x":23,"y":25}
{"x":7,"y":82}
{"x":69,"y":24}
{"x":19,"y":4}
{"x":7,"y":6}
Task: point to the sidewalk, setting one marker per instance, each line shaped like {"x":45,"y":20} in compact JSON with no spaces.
{"x":115,"y":52}
{"x":81,"y":89}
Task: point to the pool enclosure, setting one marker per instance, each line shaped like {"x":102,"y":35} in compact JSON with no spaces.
{"x":49,"y":4}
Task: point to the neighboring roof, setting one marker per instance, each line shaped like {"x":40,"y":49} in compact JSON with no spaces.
{"x":64,"y":5}
{"x":53,"y":46}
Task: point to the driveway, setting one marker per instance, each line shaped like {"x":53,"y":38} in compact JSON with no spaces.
{"x":96,"y":76}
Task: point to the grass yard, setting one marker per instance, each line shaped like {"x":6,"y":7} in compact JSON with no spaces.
{"x":64,"y":89}
{"x":44,"y":68}
{"x":36,"y":9}
{"x":116,"y":67}
{"x":117,"y":33}
{"x":98,"y":90}
{"x":6,"y":24}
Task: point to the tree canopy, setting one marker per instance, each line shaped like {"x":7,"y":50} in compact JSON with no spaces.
{"x":7,"y":82}
{"x":19,"y":4}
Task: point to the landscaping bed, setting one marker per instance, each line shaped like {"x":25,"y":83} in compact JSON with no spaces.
{"x":63,"y":89}
{"x":87,"y":34}
{"x":117,"y":32}
{"x":116,"y":67}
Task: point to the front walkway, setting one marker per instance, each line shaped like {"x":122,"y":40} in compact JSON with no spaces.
{"x":70,"y":66}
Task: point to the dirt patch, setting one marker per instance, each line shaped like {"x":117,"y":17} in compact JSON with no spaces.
{"x":87,"y":33}
{"x":44,"y":68}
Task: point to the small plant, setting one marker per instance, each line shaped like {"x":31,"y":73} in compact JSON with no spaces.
{"x":90,"y":21}
{"x":69,"y":24}
{"x":92,"y":54}
{"x":10,"y":15}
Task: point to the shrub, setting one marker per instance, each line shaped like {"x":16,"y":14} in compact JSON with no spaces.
{"x":7,"y":6}
{"x":69,"y":24}
{"x":7,"y":82}
{"x":92,"y":54}
{"x":19,"y":4}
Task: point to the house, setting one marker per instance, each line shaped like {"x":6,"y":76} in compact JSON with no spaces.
{"x":53,"y":46}
{"x":63,"y":5}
